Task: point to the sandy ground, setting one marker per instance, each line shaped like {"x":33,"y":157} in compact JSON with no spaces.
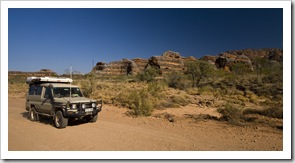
{"x":115,"y":131}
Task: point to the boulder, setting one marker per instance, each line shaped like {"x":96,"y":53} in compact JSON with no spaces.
{"x":227,"y":60}
{"x":168,"y":62}
{"x":209,"y":59}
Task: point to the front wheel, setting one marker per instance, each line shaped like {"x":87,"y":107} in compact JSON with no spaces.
{"x":59,"y":120}
{"x":94,"y":118}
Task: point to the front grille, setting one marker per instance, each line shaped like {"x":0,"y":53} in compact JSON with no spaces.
{"x":88,"y":105}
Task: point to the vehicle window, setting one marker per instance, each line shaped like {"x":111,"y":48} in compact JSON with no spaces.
{"x":38,"y":90}
{"x":65,"y":92}
{"x":76,"y":92}
{"x":32,"y":90}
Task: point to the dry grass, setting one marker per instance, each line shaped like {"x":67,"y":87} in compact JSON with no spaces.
{"x":142,"y":98}
{"x":17,"y":90}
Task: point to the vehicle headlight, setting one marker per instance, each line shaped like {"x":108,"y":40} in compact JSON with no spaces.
{"x":83,"y":106}
{"x":74,"y":106}
{"x":93,"y":105}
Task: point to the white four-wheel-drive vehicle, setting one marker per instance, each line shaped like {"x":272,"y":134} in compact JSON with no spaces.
{"x":59,"y":99}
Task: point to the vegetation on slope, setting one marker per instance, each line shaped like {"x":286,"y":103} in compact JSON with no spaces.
{"x":241,"y":95}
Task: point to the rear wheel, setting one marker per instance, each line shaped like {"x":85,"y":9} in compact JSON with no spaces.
{"x":33,"y":115}
{"x":59,"y":120}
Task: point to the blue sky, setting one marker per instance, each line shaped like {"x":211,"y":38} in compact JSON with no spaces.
{"x":58,"y":38}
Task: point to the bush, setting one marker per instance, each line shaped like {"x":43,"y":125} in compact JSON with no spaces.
{"x":141,"y":100}
{"x":148,"y":74}
{"x":141,"y":103}
{"x":275,"y":111}
{"x":198,"y":70}
{"x":156,"y":88}
{"x":231,"y":113}
{"x":177,"y":80}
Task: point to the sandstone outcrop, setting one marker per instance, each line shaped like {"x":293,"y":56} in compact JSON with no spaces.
{"x":209,"y":59}
{"x":122,"y":67}
{"x":167,"y":62}
{"x":227,"y":59}
{"x":171,"y":61}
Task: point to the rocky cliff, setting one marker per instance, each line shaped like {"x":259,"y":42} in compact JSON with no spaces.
{"x":167,"y":62}
{"x":227,"y":60}
{"x":171,"y":61}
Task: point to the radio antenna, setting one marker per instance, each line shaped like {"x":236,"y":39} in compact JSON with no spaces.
{"x":71,"y":83}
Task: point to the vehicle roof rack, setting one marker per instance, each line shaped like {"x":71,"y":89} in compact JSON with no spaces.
{"x":37,"y":80}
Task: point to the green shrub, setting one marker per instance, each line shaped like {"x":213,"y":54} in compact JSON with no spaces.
{"x":141,"y":100}
{"x":148,"y":74}
{"x":156,"y":88}
{"x":275,"y":111}
{"x":231,"y":113}
{"x":141,"y":103}
{"x":177,"y":80}
{"x":198,"y":70}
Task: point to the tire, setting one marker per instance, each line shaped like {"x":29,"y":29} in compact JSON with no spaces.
{"x":33,"y":115}
{"x":59,"y":120}
{"x":94,"y":118}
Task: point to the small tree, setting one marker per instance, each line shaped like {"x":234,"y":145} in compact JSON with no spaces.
{"x":176,"y":80}
{"x":198,"y":70}
{"x":148,"y":74}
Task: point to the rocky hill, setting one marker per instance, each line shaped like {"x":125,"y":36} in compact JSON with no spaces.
{"x":169,"y":61}
{"x":227,"y":59}
{"x":172,"y":61}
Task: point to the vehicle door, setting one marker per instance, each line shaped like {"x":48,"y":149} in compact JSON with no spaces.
{"x":46,"y":99}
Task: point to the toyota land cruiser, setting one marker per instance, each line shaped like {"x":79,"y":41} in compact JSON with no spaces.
{"x":59,"y":99}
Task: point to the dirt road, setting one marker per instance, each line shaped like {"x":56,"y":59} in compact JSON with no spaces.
{"x":115,"y":131}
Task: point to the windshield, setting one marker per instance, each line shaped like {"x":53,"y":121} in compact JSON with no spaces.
{"x":65,"y":92}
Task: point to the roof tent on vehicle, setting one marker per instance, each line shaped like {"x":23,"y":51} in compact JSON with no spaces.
{"x":35,"y":80}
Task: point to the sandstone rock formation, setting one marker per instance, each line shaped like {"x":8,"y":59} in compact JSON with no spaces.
{"x":227,"y":59}
{"x":209,"y":59}
{"x":270,"y":53}
{"x":171,"y":61}
{"x":122,"y":67}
